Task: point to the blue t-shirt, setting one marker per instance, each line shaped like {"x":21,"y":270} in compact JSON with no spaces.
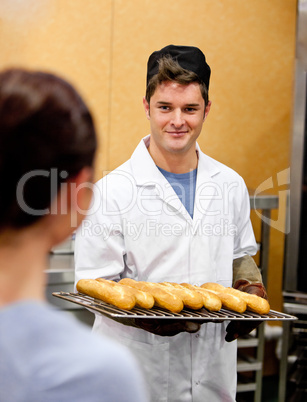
{"x":48,"y":356}
{"x":184,"y":185}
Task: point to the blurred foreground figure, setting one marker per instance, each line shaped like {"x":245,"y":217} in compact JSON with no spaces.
{"x":47,"y":147}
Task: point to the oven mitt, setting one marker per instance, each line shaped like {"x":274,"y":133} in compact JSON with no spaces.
{"x":245,"y":269}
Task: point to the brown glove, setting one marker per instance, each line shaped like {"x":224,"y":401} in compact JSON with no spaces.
{"x":167,"y":327}
{"x":161,"y":327}
{"x":241,"y":328}
{"x":252,"y":288}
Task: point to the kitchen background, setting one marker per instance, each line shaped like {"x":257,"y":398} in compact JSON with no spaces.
{"x":102,"y":47}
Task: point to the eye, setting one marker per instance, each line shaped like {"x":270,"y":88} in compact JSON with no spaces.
{"x":164,"y":107}
{"x":190,"y":110}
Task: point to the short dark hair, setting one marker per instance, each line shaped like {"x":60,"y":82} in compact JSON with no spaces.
{"x":170,"y":70}
{"x":44,"y":125}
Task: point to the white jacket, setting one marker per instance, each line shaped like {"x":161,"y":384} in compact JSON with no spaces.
{"x":137,"y":227}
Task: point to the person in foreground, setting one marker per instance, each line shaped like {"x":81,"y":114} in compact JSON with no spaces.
{"x":47,"y":147}
{"x":171,"y":213}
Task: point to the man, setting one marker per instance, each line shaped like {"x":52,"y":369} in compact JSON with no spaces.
{"x":171,"y":213}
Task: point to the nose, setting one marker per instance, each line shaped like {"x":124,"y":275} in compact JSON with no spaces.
{"x":177,"y":118}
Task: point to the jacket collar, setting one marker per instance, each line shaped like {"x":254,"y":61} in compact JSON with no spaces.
{"x":147,"y":174}
{"x":144,"y":168}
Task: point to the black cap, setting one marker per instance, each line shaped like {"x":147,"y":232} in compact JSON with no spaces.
{"x":189,"y":57}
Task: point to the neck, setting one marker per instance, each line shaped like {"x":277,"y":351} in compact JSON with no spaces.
{"x":176,"y":162}
{"x":23,"y":259}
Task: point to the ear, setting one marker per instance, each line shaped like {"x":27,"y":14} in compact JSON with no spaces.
{"x":74,"y":197}
{"x":146,"y":107}
{"x":207,"y":110}
{"x":80,"y":191}
{"x":69,"y":207}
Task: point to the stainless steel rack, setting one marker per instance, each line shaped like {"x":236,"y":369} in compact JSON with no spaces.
{"x":100,"y":307}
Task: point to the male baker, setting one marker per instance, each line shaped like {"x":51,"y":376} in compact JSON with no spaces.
{"x":172,"y":213}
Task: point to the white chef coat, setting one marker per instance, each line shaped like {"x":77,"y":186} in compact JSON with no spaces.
{"x":137,"y":227}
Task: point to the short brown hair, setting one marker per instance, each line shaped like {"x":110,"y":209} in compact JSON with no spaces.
{"x":170,"y":70}
{"x":44,"y":126}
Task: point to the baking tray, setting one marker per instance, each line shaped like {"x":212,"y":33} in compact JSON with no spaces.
{"x":105,"y":309}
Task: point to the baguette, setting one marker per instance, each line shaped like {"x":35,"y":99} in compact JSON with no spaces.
{"x":229,"y":301}
{"x":142,"y":299}
{"x":191,"y":299}
{"x":163,"y":298}
{"x":253,"y":302}
{"x":210,"y":301}
{"x":115,"y":295}
{"x":217,"y":287}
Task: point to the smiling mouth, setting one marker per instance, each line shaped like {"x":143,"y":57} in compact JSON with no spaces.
{"x":177,"y":133}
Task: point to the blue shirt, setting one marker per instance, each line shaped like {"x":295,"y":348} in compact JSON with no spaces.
{"x":47,"y":356}
{"x":184,"y":185}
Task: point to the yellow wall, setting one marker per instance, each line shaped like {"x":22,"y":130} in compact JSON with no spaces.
{"x":102,"y":46}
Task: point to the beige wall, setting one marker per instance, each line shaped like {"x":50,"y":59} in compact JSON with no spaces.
{"x":103,"y":46}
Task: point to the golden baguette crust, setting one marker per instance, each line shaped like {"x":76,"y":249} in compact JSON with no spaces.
{"x":190,"y":298}
{"x":142,"y":299}
{"x":163,"y":298}
{"x":116,"y":296}
{"x":229,"y":301}
{"x":210,"y":301}
{"x":128,"y":293}
{"x":213,"y":286}
{"x":253,"y":302}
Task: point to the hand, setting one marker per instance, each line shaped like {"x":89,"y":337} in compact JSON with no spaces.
{"x":235,"y":329}
{"x":165,"y":327}
{"x":252,"y":288}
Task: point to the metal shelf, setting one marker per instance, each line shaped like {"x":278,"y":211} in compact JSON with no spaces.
{"x":265,"y":203}
{"x":249,"y":364}
{"x":251,"y":386}
{"x":250,"y":342}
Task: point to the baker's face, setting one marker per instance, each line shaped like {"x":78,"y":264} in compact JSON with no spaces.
{"x":176,"y":114}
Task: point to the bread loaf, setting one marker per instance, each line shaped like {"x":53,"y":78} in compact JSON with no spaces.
{"x":210,"y":301}
{"x":115,"y":295}
{"x":191,"y":299}
{"x":142,"y":299}
{"x":163,"y":298}
{"x":229,"y":301}
{"x":253,"y":302}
